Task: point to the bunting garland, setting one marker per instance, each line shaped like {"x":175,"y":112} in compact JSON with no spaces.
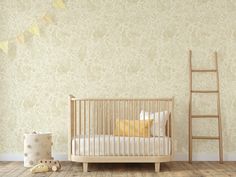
{"x":47,"y":18}
{"x":4,"y":46}
{"x":20,"y":38}
{"x":33,"y":29}
{"x":59,"y":4}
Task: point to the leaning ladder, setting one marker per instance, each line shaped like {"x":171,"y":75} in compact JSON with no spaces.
{"x":218,"y":116}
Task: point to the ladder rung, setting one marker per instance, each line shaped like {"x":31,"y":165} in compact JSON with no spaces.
{"x":204,"y":70}
{"x":204,"y":91}
{"x":206,"y":116}
{"x":205,"y":137}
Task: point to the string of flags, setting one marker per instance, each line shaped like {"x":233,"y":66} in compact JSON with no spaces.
{"x":33,"y":29}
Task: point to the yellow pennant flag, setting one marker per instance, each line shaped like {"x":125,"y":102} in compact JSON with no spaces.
{"x":34,"y":29}
{"x":4,"y":46}
{"x":58,"y":4}
{"x":47,"y":18}
{"x":20,"y":38}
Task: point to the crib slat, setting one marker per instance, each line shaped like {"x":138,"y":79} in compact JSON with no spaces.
{"x":171,"y":127}
{"x":75,"y":123}
{"x":149,"y":114}
{"x":168,"y":124}
{"x":103,"y":127}
{"x":98,"y":127}
{"x":79,"y":124}
{"x":84,"y":124}
{"x":89,"y":128}
{"x":93,"y":128}
{"x":133,"y":128}
{"x":159,"y":130}
{"x":144,"y":141}
{"x":124,"y":112}
{"x":108,"y":119}
{"x":154,"y":127}
{"x":129,"y":127}
{"x":139,"y":106}
{"x":113,"y":117}
{"x":164,"y":140}
{"x":119,"y":125}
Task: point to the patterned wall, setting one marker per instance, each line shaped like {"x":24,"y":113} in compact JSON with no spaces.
{"x":114,"y":48}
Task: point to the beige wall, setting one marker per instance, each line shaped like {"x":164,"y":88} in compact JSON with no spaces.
{"x":119,"y":48}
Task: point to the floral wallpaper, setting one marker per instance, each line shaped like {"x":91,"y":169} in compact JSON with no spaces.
{"x":115,"y":48}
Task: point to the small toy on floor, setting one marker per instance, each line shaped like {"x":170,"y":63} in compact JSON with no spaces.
{"x":40,"y":168}
{"x":46,"y":165}
{"x":54,"y":165}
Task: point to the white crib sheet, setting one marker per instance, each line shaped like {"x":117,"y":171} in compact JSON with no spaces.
{"x":159,"y":147}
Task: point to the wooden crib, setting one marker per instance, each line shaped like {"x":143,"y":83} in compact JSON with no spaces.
{"x":121,"y":131}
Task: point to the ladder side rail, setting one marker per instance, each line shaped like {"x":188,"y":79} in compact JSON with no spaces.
{"x":190,"y":106}
{"x":219,"y":112}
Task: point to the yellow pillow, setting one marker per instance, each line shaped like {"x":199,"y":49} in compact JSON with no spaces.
{"x":132,"y":127}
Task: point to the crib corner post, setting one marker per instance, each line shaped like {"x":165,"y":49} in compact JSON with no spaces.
{"x":70,"y":125}
{"x":157,"y":167}
{"x":85,"y":167}
{"x":172,"y":130}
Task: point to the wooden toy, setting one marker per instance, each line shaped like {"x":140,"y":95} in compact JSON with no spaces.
{"x":53,"y":165}
{"x":54,"y":168}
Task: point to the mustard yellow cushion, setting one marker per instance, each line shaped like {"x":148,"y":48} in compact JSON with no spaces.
{"x":138,"y":128}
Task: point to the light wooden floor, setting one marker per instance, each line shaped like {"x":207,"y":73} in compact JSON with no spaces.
{"x":175,"y":169}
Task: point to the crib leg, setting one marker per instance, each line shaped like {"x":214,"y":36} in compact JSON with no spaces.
{"x":157,"y":167}
{"x":85,"y":167}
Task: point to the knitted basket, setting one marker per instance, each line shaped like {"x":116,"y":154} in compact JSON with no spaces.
{"x":36,"y":146}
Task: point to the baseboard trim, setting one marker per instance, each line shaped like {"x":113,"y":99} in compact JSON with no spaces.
{"x":20,"y":157}
{"x":178,"y":157}
{"x":205,"y":157}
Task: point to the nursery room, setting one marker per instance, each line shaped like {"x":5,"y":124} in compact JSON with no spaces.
{"x":117,"y":88}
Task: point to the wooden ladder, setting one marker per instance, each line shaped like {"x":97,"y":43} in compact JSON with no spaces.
{"x":218,"y":116}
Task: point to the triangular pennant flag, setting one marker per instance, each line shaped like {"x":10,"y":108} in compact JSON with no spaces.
{"x":47,"y":18}
{"x":58,"y":4}
{"x":20,"y":38}
{"x":4,"y":46}
{"x":34,"y":29}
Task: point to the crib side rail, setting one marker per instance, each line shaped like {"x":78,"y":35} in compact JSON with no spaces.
{"x":98,"y":117}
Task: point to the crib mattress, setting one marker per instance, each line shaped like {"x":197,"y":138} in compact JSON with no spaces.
{"x":115,"y":145}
